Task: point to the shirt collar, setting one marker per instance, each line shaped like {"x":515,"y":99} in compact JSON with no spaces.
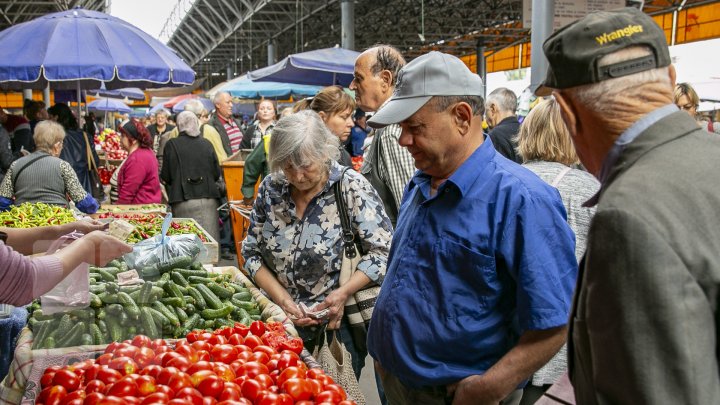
{"x":225,"y":121}
{"x":465,"y":175}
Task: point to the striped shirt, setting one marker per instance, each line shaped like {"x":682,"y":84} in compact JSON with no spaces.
{"x":396,"y":164}
{"x":233,"y":131}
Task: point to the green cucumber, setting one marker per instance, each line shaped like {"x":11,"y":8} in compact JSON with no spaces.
{"x":179,"y":279}
{"x":66,"y":324}
{"x":217,"y":313}
{"x":243,"y":296}
{"x":181,"y":314}
{"x":95,"y":301}
{"x":210,"y":298}
{"x":169,"y":314}
{"x":104,"y":274}
{"x":86,"y":339}
{"x":97,"y":335}
{"x":72,"y":338}
{"x":199,"y":300}
{"x":148,"y":323}
{"x":129,"y":305}
{"x":173,"y":301}
{"x":187,"y":273}
{"x":221,"y":291}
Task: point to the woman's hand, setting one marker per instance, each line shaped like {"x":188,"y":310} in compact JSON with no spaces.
{"x":296,"y":315}
{"x":85,"y":226}
{"x":335,"y":302}
{"x":106,"y":247}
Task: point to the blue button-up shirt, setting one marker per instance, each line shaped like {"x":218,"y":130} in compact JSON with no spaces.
{"x":470,"y":269}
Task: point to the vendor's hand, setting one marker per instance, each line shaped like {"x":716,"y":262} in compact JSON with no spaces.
{"x":106,"y":247}
{"x":335,"y":301}
{"x":86,"y":226}
{"x":296,"y":315}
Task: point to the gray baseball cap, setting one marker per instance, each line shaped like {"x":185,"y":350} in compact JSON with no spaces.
{"x":432,"y":74}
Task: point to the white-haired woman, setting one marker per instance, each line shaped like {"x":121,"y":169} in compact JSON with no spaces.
{"x":43,"y":177}
{"x":190,"y":169}
{"x":294,"y":247}
{"x":160,"y":127}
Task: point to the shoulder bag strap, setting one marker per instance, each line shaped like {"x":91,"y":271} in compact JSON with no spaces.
{"x":16,"y":175}
{"x":348,"y":235}
{"x":88,"y":154}
{"x":560,"y":176}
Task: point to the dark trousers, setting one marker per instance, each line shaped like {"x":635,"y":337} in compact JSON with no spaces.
{"x":399,"y":394}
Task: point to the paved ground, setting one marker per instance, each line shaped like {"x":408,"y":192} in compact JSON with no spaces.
{"x":367,"y":378}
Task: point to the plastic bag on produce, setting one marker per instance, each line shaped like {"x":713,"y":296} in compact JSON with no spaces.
{"x":162,"y":253}
{"x":73,"y":291}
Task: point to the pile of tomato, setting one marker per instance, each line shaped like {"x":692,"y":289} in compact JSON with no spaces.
{"x":230,"y":366}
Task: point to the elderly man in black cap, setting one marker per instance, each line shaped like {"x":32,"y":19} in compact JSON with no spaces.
{"x":645,"y":316}
{"x":482,"y":266}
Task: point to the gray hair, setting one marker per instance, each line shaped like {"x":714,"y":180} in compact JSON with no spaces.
{"x":389,"y":58}
{"x":504,"y":98}
{"x":162,"y":111}
{"x":188,"y":122}
{"x":441,"y":103}
{"x":195,"y":106}
{"x":47,"y":134}
{"x":218,"y":95}
{"x":301,"y":139}
{"x":602,"y":97}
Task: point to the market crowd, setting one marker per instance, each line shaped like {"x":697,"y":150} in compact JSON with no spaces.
{"x":577,"y":239}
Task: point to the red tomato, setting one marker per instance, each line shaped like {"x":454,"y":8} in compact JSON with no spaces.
{"x":202,"y":355}
{"x":69,"y":380}
{"x":224,"y":371}
{"x":252,"y":341}
{"x":314,"y":372}
{"x":152,"y":370}
{"x":94,"y":398}
{"x":328,"y":396}
{"x":165,"y":375}
{"x":179,"y":381}
{"x":166,"y":357}
{"x":336,"y":388}
{"x":241,"y":401}
{"x":251,"y":389}
{"x":288,"y":373}
{"x":325,"y":379}
{"x":185,"y":350}
{"x":166,"y":390}
{"x":144,"y":356}
{"x":229,"y":393}
{"x":272,"y":364}
{"x":252,"y":369}
{"x":104,"y":359}
{"x":146,"y":385}
{"x":244,"y":356}
{"x":276,"y":327}
{"x":315,"y":386}
{"x":125,"y":365}
{"x":201,"y":345}
{"x":126,"y":387}
{"x":77,"y":395}
{"x":157,"y":343}
{"x":55,"y":395}
{"x":224,"y":331}
{"x":74,"y":401}
{"x":209,"y":401}
{"x":241,"y":329}
{"x":111,"y":347}
{"x":288,"y":359}
{"x":257,"y":328}
{"x":298,"y":388}
{"x":216,"y":339}
{"x":211,"y":386}
{"x":181,"y":363}
{"x":190,"y":396}
{"x":156,"y":398}
{"x":112,"y":400}
{"x":80,"y":368}
{"x":265,"y":349}
{"x":200,"y":365}
{"x":292,"y":344}
{"x":265,"y":380}
{"x":47,"y":378}
{"x":275,"y":399}
{"x":177,"y":402}
{"x":201,"y":375}
{"x":236,"y":339}
{"x":126,"y":351}
{"x":141,"y":341}
{"x":260,"y":357}
{"x":95,"y":386}
{"x":224,"y":353}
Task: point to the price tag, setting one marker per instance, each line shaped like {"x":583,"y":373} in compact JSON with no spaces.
{"x":120,"y":229}
{"x":129,"y":277}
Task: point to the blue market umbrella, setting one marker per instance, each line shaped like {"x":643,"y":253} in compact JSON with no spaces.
{"x":131,"y":93}
{"x":82,"y":49}
{"x":242,"y":87}
{"x":321,"y":67}
{"x":109,"y":104}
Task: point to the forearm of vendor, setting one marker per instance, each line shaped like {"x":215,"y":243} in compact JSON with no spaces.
{"x":30,"y":241}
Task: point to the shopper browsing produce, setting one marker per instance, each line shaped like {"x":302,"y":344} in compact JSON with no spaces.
{"x":138,"y":180}
{"x":23,"y":278}
{"x":294,"y":245}
{"x":43,"y":177}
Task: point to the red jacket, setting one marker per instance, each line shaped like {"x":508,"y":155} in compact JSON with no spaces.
{"x":138,"y":181}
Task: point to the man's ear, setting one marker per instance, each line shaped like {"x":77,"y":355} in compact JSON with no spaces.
{"x":673,"y":75}
{"x":462,"y":115}
{"x":567,"y":111}
{"x":386,"y":77}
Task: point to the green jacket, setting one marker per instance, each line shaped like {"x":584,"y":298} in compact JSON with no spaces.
{"x":256,"y":168}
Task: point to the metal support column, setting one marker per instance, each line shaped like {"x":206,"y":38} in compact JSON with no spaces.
{"x":27,"y":95}
{"x":271,"y":52}
{"x":46,"y":96}
{"x":229,"y":71}
{"x":481,"y":64}
{"x":347,"y":13}
{"x":543,"y":12}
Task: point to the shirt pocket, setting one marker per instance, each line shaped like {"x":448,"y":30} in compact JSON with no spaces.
{"x":470,"y":275}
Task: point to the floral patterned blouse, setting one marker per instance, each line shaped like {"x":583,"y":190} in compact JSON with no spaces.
{"x":306,"y":253}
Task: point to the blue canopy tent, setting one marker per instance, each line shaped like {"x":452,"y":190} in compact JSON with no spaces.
{"x":321,"y":67}
{"x":243,"y":87}
{"x":131,"y":93}
{"x":109,"y":104}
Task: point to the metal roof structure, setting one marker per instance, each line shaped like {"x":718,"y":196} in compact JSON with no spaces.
{"x":212,"y":35}
{"x":19,"y":11}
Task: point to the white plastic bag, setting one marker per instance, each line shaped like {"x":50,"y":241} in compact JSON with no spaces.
{"x":73,"y":291}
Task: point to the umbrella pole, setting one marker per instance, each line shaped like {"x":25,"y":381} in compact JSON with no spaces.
{"x":79,"y":108}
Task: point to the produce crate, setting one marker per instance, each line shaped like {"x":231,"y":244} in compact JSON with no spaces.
{"x":22,"y":384}
{"x":212,"y":246}
{"x":132,"y":208}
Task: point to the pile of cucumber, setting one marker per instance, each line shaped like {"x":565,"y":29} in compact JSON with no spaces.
{"x":176,"y":302}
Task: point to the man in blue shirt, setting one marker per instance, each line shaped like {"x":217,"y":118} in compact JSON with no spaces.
{"x":482,"y":265}
{"x":358,"y":134}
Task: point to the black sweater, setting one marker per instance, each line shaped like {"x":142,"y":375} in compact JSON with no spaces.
{"x":190,"y":169}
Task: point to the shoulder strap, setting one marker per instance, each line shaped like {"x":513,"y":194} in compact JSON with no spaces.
{"x":88,"y":154}
{"x":16,"y":175}
{"x":710,"y":126}
{"x":348,"y":237}
{"x":560,"y":176}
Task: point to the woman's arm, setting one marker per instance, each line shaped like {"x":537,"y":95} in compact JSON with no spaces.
{"x":84,"y":201}
{"x":7,"y":190}
{"x":30,"y":241}
{"x":279,"y":295}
